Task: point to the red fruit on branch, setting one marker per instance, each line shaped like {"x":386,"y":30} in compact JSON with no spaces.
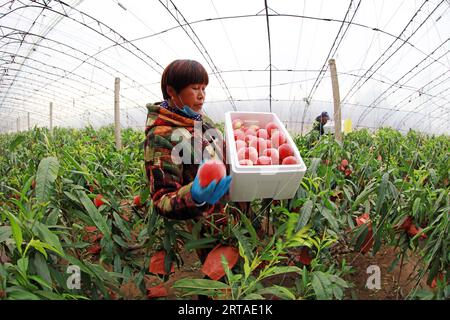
{"x":158,"y":291}
{"x":368,"y":240}
{"x":434,"y":282}
{"x":90,"y":229}
{"x":98,"y":200}
{"x":380,"y":158}
{"x":413,"y":230}
{"x":304,"y":257}
{"x":406,"y":224}
{"x":348,"y":172}
{"x":213,"y":264}
{"x":33,"y":184}
{"x":137,"y":201}
{"x":157,"y":263}
{"x":344,"y":163}
{"x":94,"y":249}
{"x":211,"y":170}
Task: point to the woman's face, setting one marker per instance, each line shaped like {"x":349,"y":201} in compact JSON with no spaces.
{"x":193,"y":96}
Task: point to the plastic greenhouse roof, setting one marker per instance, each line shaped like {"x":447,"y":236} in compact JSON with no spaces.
{"x":392,"y":59}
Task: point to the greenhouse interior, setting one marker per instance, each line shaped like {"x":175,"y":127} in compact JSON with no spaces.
{"x":87,"y":181}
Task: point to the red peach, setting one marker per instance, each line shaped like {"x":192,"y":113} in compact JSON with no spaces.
{"x":278,"y":139}
{"x":273,"y":154}
{"x":262,"y":133}
{"x":246,"y":162}
{"x":250,"y":132}
{"x":239,"y":134}
{"x":259,"y":144}
{"x":289,"y":160}
{"x":248,"y":153}
{"x":271,"y":126}
{"x":211,"y":170}
{"x":240,"y":144}
{"x":237,"y":123}
{"x":264,"y":161}
{"x":285,"y":150}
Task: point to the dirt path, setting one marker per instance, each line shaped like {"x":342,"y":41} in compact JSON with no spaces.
{"x":389,"y":280}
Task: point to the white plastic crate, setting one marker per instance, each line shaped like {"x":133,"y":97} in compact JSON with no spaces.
{"x":258,"y":182}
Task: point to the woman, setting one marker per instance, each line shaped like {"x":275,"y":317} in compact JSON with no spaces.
{"x":174,"y":185}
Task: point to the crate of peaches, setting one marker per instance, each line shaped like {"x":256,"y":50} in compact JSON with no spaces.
{"x":264,"y":160}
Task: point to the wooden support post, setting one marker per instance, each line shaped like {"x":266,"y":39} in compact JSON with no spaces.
{"x":28,"y":120}
{"x":51,"y":116}
{"x":18,"y":124}
{"x":336,"y":100}
{"x":117,"y":113}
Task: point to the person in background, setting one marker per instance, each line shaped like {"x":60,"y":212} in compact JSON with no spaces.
{"x":320,"y":121}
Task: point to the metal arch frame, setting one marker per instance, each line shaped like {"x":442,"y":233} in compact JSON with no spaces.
{"x":417,"y":107}
{"x":77,"y":58}
{"x":409,"y":96}
{"x":204,"y":54}
{"x":390,"y":46}
{"x":377,"y":100}
{"x":324,"y":66}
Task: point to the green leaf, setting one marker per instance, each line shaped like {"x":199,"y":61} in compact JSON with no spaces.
{"x":22,"y":264}
{"x":120,"y":223}
{"x":318,"y":288}
{"x":97,"y":218}
{"x":279,"y":291}
{"x":200,"y":243}
{"x":416,"y":207}
{"x":49,"y":295}
{"x":332,"y":220}
{"x":253,"y":296}
{"x":40,"y":264}
{"x":19,"y":294}
{"x":120,"y":241}
{"x":45,"y":177}
{"x":202,"y":284}
{"x":305,"y":215}
{"x":16,"y":142}
{"x":382,"y":190}
{"x":16,"y":231}
{"x":51,"y":240}
{"x":251,"y":230}
{"x":5,"y":233}
{"x":272,"y":271}
{"x":41,"y":281}
{"x":363,"y":196}
{"x":244,"y":242}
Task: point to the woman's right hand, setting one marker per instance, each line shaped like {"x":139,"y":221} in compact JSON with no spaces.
{"x":212,"y":192}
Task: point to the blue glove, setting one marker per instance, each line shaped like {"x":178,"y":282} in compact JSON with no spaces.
{"x":212,"y":192}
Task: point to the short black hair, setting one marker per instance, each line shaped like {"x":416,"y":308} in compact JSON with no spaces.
{"x":181,"y":73}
